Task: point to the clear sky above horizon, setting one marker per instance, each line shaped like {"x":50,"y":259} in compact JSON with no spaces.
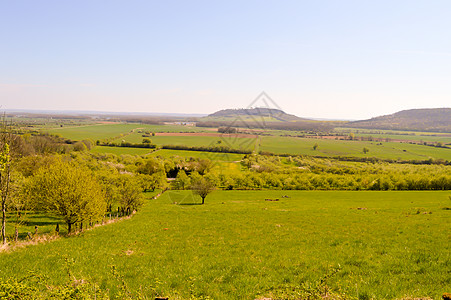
{"x":320,"y":59}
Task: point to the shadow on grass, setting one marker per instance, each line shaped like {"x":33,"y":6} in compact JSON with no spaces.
{"x":189,"y":204}
{"x":42,"y":216}
{"x":41,"y":223}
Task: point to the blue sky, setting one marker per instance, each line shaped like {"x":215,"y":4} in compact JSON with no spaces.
{"x":321,"y":59}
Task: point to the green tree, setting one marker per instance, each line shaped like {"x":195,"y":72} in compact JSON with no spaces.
{"x":131,"y":197}
{"x":366,"y":150}
{"x":110,"y":186}
{"x":151,"y":182}
{"x":151,"y":166}
{"x":69,"y":190}
{"x":5,"y":177}
{"x":181,"y":181}
{"x":204,"y":166}
{"x":315,"y":146}
{"x":202,"y":187}
{"x":80,"y":146}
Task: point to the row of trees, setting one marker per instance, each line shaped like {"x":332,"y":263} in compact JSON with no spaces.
{"x":298,"y":173}
{"x":77,"y":193}
{"x":308,"y":181}
{"x":76,"y":187}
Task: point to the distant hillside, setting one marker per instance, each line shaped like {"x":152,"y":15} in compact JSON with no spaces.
{"x":431,"y":119}
{"x":264,"y":118}
{"x":268,"y":114}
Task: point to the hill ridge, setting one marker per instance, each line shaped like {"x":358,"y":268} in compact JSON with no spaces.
{"x":275,"y":113}
{"x":418,"y":119}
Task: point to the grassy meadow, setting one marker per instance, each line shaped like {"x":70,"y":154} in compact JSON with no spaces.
{"x":387,"y":245}
{"x":332,"y":147}
{"x":107,"y":131}
{"x":121,"y":150}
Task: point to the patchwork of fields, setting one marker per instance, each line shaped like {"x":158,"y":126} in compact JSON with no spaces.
{"x":275,"y":143}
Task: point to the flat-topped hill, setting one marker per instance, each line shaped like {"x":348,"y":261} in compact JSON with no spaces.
{"x":269,"y":114}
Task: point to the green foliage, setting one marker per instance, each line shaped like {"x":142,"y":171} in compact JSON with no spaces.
{"x":217,"y":148}
{"x":130,"y":194}
{"x":151,"y":166}
{"x":29,"y":165}
{"x":5,"y":157}
{"x":69,"y":190}
{"x":201,"y":186}
{"x":304,"y":173}
{"x":80,"y":146}
{"x":182,"y":181}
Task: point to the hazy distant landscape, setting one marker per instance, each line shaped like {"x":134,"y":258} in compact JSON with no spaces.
{"x":225,"y":150}
{"x":270,"y":174}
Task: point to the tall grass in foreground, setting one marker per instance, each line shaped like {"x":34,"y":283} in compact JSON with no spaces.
{"x":385,"y":245}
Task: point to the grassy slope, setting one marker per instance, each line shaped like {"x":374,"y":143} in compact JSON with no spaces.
{"x":238,"y":246}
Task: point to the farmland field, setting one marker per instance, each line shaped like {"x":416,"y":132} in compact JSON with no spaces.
{"x":386,"y":245}
{"x":327,"y":147}
{"x":121,"y":150}
{"x":227,"y":157}
{"x":275,"y":143}
{"x":105,"y":131}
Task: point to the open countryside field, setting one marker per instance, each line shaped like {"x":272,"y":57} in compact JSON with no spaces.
{"x":121,"y":150}
{"x":445,"y":138}
{"x":194,"y":137}
{"x":274,"y":143}
{"x":328,"y":147}
{"x":108,"y":131}
{"x":167,"y":153}
{"x":221,"y":157}
{"x":202,"y":139}
{"x":399,"y":135}
{"x":387,"y":245}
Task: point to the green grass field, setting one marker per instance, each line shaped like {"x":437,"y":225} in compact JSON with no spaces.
{"x":221,"y":157}
{"x":232,"y":141}
{"x":121,"y":150}
{"x":276,"y":144}
{"x":399,"y":135}
{"x":332,"y":148}
{"x":107,"y":131}
{"x":239,"y":246}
